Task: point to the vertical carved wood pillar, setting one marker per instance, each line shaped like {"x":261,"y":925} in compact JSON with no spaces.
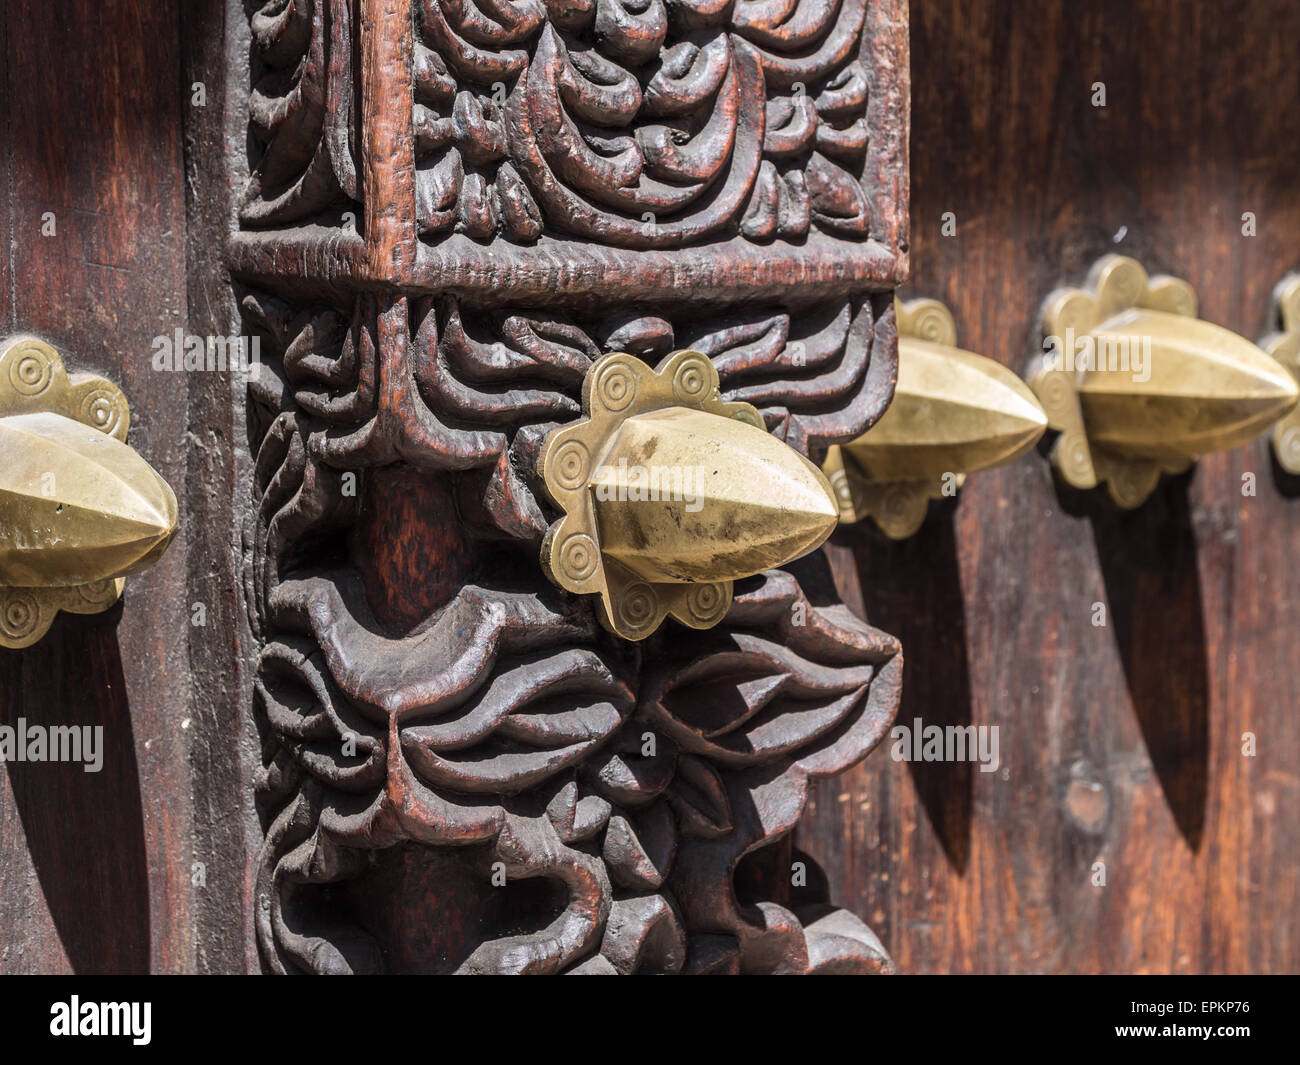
{"x":455,"y":207}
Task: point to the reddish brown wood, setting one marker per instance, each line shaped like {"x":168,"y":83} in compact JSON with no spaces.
{"x":422,"y":718}
{"x":1120,"y":744}
{"x":427,"y":348}
{"x":95,"y":868}
{"x":142,"y":866}
{"x":389,"y":148}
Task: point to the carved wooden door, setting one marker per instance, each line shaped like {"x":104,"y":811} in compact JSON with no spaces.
{"x":509,"y":362}
{"x":453,"y":212}
{"x":409,"y":693}
{"x":97,"y":853}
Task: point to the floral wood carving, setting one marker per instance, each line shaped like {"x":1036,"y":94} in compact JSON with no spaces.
{"x":645,"y":124}
{"x":463,"y":771}
{"x":300,"y":111}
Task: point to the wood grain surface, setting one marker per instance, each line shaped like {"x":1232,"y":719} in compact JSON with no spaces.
{"x":1119,"y":744}
{"x":95,"y":867}
{"x":433,"y":708}
{"x":141,"y":866}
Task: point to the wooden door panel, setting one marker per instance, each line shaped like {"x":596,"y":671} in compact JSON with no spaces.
{"x":142,"y":865}
{"x":95,"y":868}
{"x":382,"y":192}
{"x":1120,"y":744}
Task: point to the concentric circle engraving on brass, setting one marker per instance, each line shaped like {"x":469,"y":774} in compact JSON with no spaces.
{"x":633,"y":480}
{"x":67,"y":416}
{"x":579,"y":557}
{"x":102,"y":408}
{"x":572,"y":464}
{"x":31,"y":368}
{"x":692,"y":379}
{"x":1137,"y":386}
{"x":708,"y":603}
{"x":616,"y":386}
{"x":20,"y":614}
{"x":638,"y":609}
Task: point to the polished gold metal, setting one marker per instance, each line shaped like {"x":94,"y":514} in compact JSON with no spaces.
{"x":953,"y":412}
{"x":79,"y":509}
{"x":1138,"y":386}
{"x":1285,"y":347}
{"x":670,"y":494}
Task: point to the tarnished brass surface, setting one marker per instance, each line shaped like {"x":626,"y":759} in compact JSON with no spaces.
{"x":1160,"y":388}
{"x":1285,"y":347}
{"x":79,"y":509}
{"x":953,"y":412}
{"x":670,"y":494}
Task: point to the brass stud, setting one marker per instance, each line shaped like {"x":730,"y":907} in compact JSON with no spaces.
{"x":1137,"y":385}
{"x":953,"y":412}
{"x":79,"y":509}
{"x":671,"y":494}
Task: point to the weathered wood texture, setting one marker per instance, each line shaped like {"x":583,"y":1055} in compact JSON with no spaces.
{"x":97,"y":870}
{"x":1119,"y":744}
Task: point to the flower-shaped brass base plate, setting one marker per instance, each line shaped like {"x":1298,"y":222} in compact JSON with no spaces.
{"x":1285,"y":347}
{"x":898,"y":508}
{"x":670,"y":494}
{"x":34,"y":381}
{"x":1137,"y":385}
{"x":1118,"y":284}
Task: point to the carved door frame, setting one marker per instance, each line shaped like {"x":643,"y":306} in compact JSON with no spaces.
{"x":440,"y":227}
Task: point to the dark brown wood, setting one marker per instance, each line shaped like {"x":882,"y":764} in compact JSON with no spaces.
{"x":1120,"y":744}
{"x":95,"y":869}
{"x":430,"y":277}
{"x":225,"y":748}
{"x":464,"y":772}
{"x":143,"y":865}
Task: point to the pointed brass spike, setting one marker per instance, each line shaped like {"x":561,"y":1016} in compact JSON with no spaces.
{"x":739,"y":501}
{"x":79,"y":509}
{"x":1137,"y":385}
{"x":79,"y":506}
{"x":1284,"y":346}
{"x":1207,"y":389}
{"x":953,"y":412}
{"x":671,"y":494}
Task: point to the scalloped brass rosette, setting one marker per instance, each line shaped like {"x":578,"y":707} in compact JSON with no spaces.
{"x":79,"y":509}
{"x":1285,"y":347}
{"x":953,"y":412}
{"x":1137,"y":385}
{"x":671,"y":494}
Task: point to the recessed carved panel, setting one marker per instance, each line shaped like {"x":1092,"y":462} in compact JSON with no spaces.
{"x":644,"y":125}
{"x":301,"y":119}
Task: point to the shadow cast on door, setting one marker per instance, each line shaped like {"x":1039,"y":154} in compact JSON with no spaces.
{"x":84,"y":830}
{"x":1149,"y":568}
{"x":912,"y":589}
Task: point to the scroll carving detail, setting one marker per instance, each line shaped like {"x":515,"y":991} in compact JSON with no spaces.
{"x":462,"y":770}
{"x":642,"y":125}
